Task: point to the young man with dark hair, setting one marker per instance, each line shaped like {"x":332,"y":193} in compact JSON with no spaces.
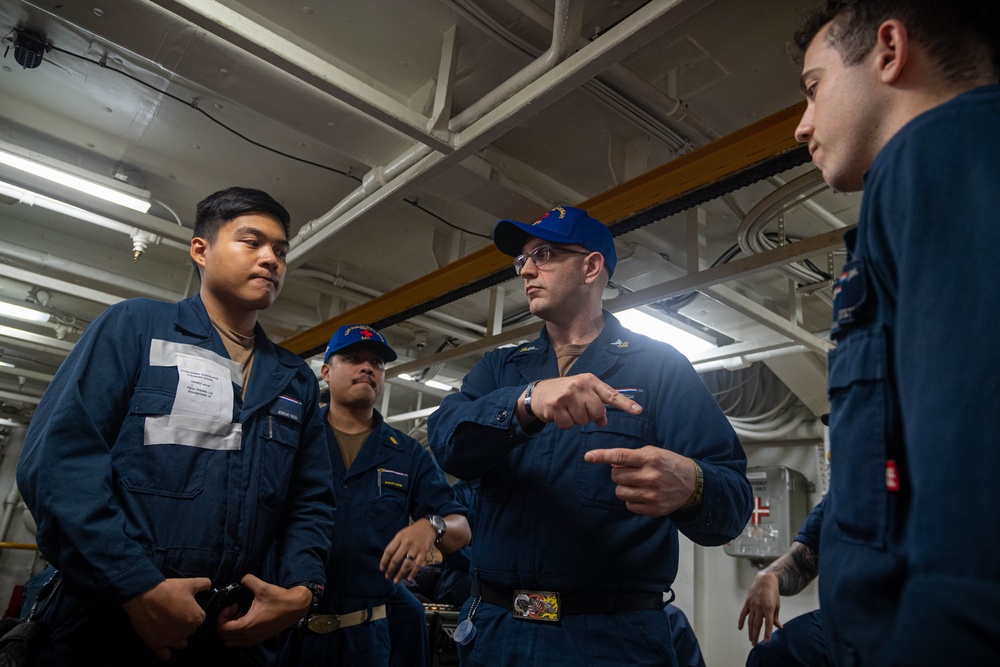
{"x":903,"y":102}
{"x":175,"y":446}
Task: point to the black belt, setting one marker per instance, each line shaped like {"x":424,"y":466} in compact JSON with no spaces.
{"x":572,"y":602}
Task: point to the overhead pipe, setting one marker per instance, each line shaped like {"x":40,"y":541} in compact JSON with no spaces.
{"x":469,"y":331}
{"x":536,"y":95}
{"x":641,"y":94}
{"x":48,"y":261}
{"x":570,"y":17}
{"x":298,"y":61}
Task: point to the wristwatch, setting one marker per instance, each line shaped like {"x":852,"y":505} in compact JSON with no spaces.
{"x":314,"y":588}
{"x":439,"y":525}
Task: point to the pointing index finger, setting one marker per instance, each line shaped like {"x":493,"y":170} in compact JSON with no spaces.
{"x":617,"y":457}
{"x":618,"y":400}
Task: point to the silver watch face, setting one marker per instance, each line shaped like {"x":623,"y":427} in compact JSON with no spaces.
{"x":439,"y":526}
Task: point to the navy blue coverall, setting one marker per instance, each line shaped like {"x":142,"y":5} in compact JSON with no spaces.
{"x":549,"y":521}
{"x":910,"y":568}
{"x":143,"y":462}
{"x":392,"y":480}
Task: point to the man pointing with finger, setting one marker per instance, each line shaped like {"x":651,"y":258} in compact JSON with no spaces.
{"x":593,"y":445}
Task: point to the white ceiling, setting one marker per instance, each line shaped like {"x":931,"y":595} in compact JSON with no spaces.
{"x":449,"y":114}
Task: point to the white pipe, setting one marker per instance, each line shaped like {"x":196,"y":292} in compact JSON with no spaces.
{"x":45,"y":260}
{"x":643,"y":25}
{"x":468,"y":331}
{"x":777,"y":433}
{"x":570,"y":16}
{"x":8,"y":511}
{"x":745,"y":360}
{"x":406,"y":416}
{"x":644,"y":96}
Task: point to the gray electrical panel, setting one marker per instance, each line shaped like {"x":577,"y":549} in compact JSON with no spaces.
{"x":780,"y":505}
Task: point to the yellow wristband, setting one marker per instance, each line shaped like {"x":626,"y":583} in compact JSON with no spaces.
{"x":699,"y":485}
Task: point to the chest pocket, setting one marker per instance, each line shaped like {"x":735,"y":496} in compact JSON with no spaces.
{"x":165,"y":470}
{"x":858,"y":389}
{"x":388,"y":511}
{"x":853,"y":299}
{"x":280,"y":432}
{"x":594,"y":485}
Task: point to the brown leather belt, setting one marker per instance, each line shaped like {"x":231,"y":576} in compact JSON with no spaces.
{"x":324,"y":623}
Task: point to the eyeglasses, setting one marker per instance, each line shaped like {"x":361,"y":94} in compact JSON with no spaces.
{"x":541,"y":256}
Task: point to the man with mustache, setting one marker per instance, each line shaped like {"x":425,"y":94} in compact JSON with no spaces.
{"x":394,"y":506}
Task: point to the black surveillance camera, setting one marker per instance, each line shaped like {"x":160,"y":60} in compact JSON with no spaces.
{"x":29,"y":48}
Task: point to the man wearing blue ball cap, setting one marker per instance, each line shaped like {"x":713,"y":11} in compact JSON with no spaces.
{"x":394,"y":507}
{"x":593,"y":445}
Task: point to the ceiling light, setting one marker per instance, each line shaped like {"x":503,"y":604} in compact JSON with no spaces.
{"x":438,"y":385}
{"x":88,"y":185}
{"x":7,"y":365}
{"x":22,"y":313}
{"x":686,"y":343}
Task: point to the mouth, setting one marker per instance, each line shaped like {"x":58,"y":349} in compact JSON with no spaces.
{"x":268,"y":279}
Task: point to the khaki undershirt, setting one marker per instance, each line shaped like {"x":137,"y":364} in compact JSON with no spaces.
{"x":240,"y":349}
{"x":350,"y":444}
{"x":566,"y":356}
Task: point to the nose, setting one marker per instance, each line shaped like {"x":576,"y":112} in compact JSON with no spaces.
{"x":267,"y":256}
{"x":805,"y":128}
{"x":529,"y":269}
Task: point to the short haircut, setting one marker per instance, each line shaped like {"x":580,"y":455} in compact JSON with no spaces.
{"x":958,"y":34}
{"x":220,"y":207}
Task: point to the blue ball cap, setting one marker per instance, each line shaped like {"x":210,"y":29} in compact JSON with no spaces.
{"x":563,"y":224}
{"x":354,"y":334}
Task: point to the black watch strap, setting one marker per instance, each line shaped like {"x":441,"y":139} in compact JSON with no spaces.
{"x":314,"y":588}
{"x":527,"y":399}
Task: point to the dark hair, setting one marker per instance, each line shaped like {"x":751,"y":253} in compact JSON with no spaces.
{"x":958,"y":34}
{"x":220,"y":207}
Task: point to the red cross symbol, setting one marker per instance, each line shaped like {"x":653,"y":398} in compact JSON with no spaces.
{"x":760,"y":510}
{"x":366,"y":333}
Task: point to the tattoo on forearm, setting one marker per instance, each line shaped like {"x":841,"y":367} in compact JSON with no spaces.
{"x":795,"y":569}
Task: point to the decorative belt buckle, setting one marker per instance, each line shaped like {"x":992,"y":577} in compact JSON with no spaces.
{"x":536,"y":605}
{"x":321,"y":624}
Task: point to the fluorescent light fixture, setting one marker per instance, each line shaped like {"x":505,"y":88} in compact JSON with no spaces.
{"x":438,"y":385}
{"x":22,"y":313}
{"x":405,"y":376}
{"x":4,"y":363}
{"x":75,"y":182}
{"x":686,"y":343}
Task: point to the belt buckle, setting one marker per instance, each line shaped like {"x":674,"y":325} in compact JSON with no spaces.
{"x":536,"y":605}
{"x":322,"y":624}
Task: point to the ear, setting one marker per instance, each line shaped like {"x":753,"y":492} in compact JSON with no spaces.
{"x":892,"y":50}
{"x":199,"y":247}
{"x":324,"y":372}
{"x":593,"y":265}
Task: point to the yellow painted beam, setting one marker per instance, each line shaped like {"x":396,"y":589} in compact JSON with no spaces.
{"x":729,"y":155}
{"x":724,"y":157}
